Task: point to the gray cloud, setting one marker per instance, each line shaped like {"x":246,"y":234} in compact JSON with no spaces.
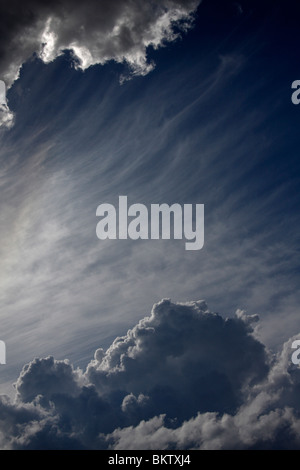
{"x":95,"y":31}
{"x":183,"y":377}
{"x":159,"y":356}
{"x":66,"y":300}
{"x":268,"y":419}
{"x":6,"y":117}
{"x":246,"y":430}
{"x":49,"y":377}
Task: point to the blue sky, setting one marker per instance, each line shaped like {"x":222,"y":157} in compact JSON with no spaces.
{"x":212,"y":123}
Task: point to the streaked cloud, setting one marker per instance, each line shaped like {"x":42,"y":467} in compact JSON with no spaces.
{"x":59,"y":282}
{"x":206,"y":127}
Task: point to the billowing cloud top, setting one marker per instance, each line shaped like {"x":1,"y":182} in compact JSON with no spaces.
{"x":183,"y":377}
{"x":95,"y":31}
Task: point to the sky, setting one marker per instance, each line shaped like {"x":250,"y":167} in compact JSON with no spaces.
{"x":134,"y":344}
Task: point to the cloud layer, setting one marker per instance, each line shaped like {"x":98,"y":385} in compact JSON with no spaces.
{"x":183,"y":377}
{"x":95,"y":31}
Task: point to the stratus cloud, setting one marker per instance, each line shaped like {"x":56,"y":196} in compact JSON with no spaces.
{"x":95,"y":31}
{"x":183,"y":377}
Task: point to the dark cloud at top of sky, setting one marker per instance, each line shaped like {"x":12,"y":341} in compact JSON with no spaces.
{"x":182,"y":377}
{"x":96,"y":31}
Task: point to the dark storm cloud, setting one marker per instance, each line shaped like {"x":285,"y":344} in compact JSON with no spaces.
{"x":96,"y":31}
{"x":59,"y":376}
{"x":183,"y":377}
{"x":267,"y":419}
{"x":159,"y":356}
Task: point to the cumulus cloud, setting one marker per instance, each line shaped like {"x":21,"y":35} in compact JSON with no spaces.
{"x":183,"y":377}
{"x":6,"y":117}
{"x":268,"y":419}
{"x":159,"y":356}
{"x":95,"y":31}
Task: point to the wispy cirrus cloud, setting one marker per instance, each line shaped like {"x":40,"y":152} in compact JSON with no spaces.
{"x":54,"y":176}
